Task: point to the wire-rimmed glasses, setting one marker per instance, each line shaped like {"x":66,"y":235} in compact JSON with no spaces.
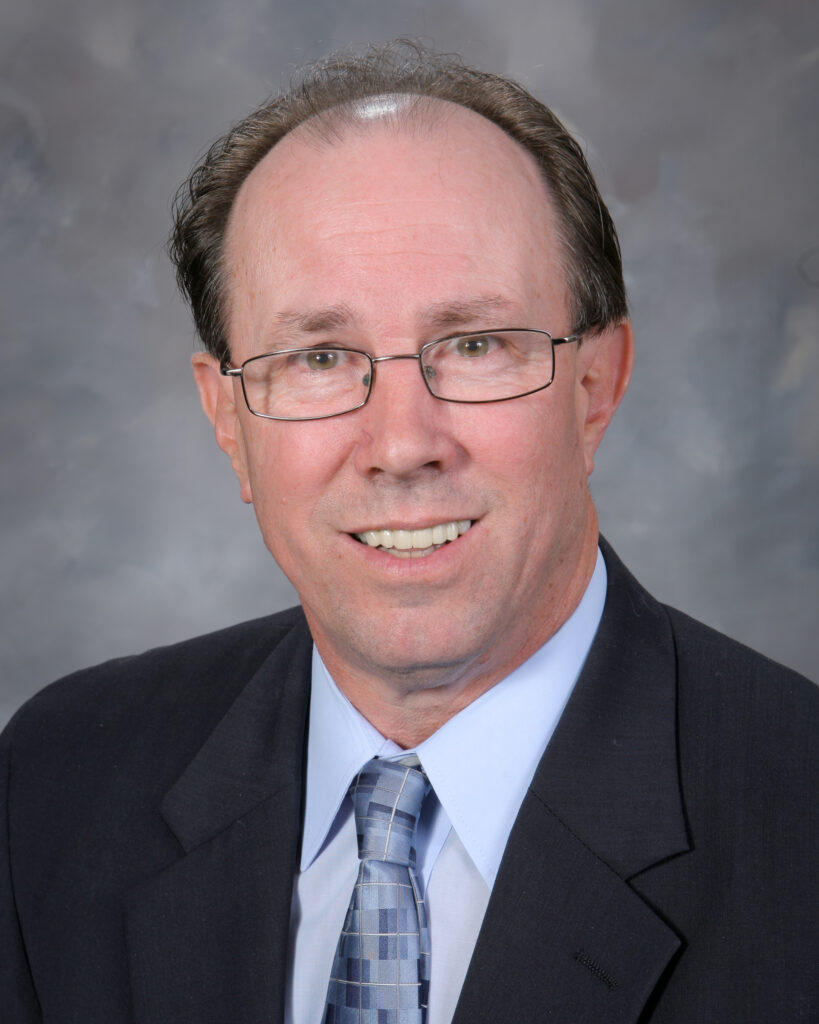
{"x":323,"y":381}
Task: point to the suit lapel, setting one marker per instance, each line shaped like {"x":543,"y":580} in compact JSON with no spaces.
{"x":565,"y":936}
{"x":208,"y":936}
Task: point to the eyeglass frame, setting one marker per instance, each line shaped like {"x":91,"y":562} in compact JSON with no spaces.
{"x":238,"y":371}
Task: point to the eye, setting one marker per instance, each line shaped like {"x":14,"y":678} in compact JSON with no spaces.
{"x":476,"y":345}
{"x":321,"y":359}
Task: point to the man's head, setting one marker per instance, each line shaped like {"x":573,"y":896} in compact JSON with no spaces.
{"x":398,"y":224}
{"x":330,"y":94}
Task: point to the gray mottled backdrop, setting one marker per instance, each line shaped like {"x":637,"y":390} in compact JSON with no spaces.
{"x":122,"y":525}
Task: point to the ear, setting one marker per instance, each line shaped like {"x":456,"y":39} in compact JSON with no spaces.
{"x":604,"y":364}
{"x":218,"y":397}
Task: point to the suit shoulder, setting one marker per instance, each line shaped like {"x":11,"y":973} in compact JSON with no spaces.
{"x":709,"y":653}
{"x":194,"y":679}
{"x":738,"y":708}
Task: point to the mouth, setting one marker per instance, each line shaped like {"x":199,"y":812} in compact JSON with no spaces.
{"x":415,"y":543}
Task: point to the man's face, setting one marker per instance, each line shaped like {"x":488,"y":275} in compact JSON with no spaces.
{"x":384,"y":240}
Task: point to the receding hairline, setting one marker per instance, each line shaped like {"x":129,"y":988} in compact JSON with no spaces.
{"x":404,"y":113}
{"x":344,"y":81}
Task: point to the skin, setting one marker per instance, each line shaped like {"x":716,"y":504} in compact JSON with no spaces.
{"x":411,"y":233}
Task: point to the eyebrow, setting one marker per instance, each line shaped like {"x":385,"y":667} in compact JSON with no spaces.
{"x":314,"y":321}
{"x":462,"y":311}
{"x":440,"y":315}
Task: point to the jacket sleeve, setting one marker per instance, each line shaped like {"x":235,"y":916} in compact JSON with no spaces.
{"x":18,"y":998}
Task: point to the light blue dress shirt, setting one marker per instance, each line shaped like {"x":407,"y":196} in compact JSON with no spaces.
{"x":479,"y":763}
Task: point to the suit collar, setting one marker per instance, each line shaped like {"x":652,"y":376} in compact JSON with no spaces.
{"x":208,"y":936}
{"x":610,"y":772}
{"x":565,"y":936}
{"x":615,"y":743}
{"x":251,"y":754}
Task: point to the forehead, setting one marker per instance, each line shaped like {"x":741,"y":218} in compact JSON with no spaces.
{"x":433,"y":198}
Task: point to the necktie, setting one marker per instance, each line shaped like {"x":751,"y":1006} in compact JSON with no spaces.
{"x":380,"y":973}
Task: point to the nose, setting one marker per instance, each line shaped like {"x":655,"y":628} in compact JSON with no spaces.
{"x":404,"y":430}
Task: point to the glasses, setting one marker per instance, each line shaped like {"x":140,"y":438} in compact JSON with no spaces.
{"x":316,"y":383}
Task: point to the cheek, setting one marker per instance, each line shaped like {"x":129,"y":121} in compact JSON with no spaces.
{"x":290,"y":465}
{"x":533,"y":441}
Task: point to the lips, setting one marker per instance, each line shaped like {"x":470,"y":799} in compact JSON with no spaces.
{"x":411,"y":543}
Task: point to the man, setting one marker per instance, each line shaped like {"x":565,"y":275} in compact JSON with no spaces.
{"x":416,"y":334}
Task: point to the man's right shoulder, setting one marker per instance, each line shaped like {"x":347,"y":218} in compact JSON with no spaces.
{"x":191,"y":682}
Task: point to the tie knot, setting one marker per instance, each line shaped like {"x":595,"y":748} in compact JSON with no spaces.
{"x":387,"y":798}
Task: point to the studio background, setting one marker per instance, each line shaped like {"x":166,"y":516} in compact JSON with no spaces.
{"x":122,"y":523}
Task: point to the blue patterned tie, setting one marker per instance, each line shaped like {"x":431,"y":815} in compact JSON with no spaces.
{"x":380,"y":973}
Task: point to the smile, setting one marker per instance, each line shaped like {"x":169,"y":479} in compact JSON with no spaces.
{"x":415,"y":543}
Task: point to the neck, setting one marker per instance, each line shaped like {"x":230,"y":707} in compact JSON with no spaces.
{"x":409,"y":704}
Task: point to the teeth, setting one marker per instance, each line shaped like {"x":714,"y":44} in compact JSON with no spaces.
{"x":402,"y":539}
{"x":419,"y":540}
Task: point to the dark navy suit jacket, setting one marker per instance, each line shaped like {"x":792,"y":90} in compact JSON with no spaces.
{"x":661,"y":867}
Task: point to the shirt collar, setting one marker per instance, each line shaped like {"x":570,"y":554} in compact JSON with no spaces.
{"x":479,"y":763}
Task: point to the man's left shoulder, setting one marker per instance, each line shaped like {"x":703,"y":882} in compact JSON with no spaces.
{"x":717,"y":671}
{"x":726,"y":673}
{"x":747,"y":732}
{"x":738,"y":714}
